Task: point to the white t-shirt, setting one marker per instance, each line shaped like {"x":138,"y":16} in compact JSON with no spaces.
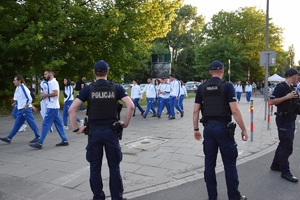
{"x":53,"y":102}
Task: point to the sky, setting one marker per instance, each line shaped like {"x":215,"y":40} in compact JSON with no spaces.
{"x":284,"y":14}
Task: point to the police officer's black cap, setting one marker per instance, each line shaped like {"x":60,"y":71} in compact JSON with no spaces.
{"x":101,"y":66}
{"x":291,"y":72}
{"x":215,"y":65}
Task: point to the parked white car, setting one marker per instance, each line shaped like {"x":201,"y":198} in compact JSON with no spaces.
{"x":192,"y":86}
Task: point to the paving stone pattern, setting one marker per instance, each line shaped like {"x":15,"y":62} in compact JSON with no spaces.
{"x":63,"y":172}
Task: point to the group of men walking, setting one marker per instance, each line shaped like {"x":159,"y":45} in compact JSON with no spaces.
{"x":239,"y":90}
{"x":163,"y":94}
{"x":50,"y":110}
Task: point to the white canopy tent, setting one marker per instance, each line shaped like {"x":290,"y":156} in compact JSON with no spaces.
{"x":276,"y":78}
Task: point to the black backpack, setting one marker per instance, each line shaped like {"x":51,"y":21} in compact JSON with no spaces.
{"x":78,"y":86}
{"x":32,"y":94}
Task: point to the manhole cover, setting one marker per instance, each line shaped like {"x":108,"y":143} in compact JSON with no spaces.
{"x":145,"y":142}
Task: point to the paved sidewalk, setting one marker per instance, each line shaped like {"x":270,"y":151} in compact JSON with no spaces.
{"x":157,"y":154}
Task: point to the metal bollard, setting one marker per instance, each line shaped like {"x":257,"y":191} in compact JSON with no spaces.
{"x":269,"y":116}
{"x":251,"y":121}
{"x":271,"y":110}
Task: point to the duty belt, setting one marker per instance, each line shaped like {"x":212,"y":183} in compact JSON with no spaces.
{"x":281,"y":113}
{"x":216,"y":122}
{"x":101,"y":126}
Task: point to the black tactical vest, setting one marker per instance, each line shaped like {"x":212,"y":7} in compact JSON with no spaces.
{"x":285,"y":105}
{"x":215,"y":103}
{"x":290,"y":107}
{"x":102,"y":103}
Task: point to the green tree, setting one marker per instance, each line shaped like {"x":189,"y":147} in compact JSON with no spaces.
{"x":291,"y":56}
{"x":223,"y":49}
{"x":184,"y":67}
{"x":182,"y":39}
{"x":70,"y":36}
{"x":136,"y":25}
{"x":159,"y":48}
{"x":144,"y":71}
{"x":240,"y":37}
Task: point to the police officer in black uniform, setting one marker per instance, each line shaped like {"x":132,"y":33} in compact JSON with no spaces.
{"x":102,"y":97}
{"x":217,"y":101}
{"x":285,"y":98}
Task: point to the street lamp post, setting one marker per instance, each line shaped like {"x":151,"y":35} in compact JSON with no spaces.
{"x":229,"y":70}
{"x":267,"y":64}
{"x":248,"y":73}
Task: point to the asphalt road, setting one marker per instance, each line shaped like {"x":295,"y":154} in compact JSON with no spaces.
{"x":257,"y":182}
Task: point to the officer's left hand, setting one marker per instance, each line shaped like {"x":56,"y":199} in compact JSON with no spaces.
{"x":197,"y":135}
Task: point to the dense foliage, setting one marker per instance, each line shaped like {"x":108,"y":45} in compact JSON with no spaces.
{"x":240,"y":37}
{"x":69,"y":36}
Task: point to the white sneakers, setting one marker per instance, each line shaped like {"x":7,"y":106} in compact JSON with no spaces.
{"x":66,"y":127}
{"x":23,"y":128}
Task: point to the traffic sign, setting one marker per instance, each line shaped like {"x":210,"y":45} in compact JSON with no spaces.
{"x":264,"y":55}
